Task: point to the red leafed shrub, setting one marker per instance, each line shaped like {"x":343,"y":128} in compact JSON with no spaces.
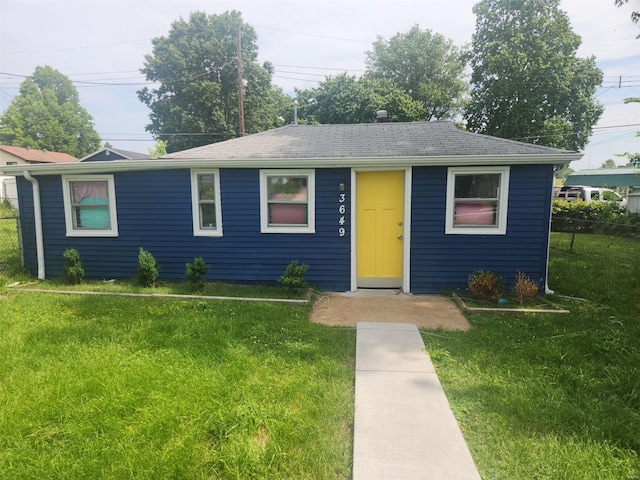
{"x":485,"y":285}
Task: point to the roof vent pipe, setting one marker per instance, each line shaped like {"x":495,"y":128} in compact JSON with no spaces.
{"x":381,"y":116}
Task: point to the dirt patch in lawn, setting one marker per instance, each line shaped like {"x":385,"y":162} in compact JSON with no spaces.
{"x":424,"y":311}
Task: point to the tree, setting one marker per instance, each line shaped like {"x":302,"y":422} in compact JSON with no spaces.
{"x":564,"y":172}
{"x":634,"y":159}
{"x":635,"y":15}
{"x":425,"y":65}
{"x":47,"y":115}
{"x":527,"y":82}
{"x":197,"y":68}
{"x":609,"y":163}
{"x":159,"y":149}
{"x":344,"y":99}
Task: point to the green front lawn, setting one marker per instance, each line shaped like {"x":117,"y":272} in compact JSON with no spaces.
{"x":105,"y":387}
{"x":109,"y":387}
{"x":554,"y":396}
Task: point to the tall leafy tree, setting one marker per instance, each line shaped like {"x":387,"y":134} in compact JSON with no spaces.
{"x":47,"y":114}
{"x":528,"y":84}
{"x":633,"y":158}
{"x":196,"y":66}
{"x":425,"y":65}
{"x":608,"y":163}
{"x":345,"y":99}
{"x":159,"y":149}
{"x":635,"y":15}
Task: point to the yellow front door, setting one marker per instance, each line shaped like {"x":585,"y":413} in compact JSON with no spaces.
{"x":379,"y":229}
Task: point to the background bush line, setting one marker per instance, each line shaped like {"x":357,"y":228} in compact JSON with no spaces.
{"x":596,"y":217}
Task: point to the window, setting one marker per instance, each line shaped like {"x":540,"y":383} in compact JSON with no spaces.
{"x":477,"y":200}
{"x":90,"y":206}
{"x":205,"y":203}
{"x":287,"y":201}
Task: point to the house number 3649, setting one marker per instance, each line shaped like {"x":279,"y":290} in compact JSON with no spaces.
{"x":342,"y":209}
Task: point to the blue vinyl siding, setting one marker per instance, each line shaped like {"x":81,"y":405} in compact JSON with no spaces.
{"x":154,"y":212}
{"x":440,"y":262}
{"x":27,"y":225}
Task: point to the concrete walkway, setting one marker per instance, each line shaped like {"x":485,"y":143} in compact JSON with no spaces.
{"x":404,"y":427}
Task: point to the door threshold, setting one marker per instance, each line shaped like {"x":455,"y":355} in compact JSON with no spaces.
{"x":375,"y":292}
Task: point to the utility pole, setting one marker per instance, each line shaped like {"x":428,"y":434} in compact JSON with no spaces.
{"x":240,"y":86}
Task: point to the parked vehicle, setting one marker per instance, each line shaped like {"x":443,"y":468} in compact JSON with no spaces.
{"x":572,"y":193}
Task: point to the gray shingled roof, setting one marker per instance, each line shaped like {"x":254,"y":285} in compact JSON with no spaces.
{"x":369,"y":140}
{"x":131,"y":155}
{"x":128,"y":155}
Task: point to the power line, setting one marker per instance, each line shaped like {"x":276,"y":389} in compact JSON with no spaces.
{"x":617,"y":126}
{"x":296,"y":79}
{"x":103,"y":73}
{"x":322,"y":68}
{"x":306,"y":34}
{"x":303,"y":73}
{"x":621,"y":81}
{"x":609,"y":140}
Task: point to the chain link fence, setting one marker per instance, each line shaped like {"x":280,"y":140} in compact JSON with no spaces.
{"x":10,"y":255}
{"x":590,"y":237}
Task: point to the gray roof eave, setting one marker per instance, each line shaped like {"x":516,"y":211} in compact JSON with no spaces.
{"x":341,"y":162}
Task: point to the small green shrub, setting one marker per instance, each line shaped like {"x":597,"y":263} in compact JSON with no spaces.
{"x":292,"y":280}
{"x":525,"y":289}
{"x":148,"y":270}
{"x":196,"y":272}
{"x":7,"y":209}
{"x":73,"y":272}
{"x":485,"y":285}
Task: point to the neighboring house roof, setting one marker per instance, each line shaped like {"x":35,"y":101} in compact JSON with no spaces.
{"x":371,"y":145}
{"x":367,"y":140}
{"x":605,"y":177}
{"x":33,"y":155}
{"x":121,"y":154}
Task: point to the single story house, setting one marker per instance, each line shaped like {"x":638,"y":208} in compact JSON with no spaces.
{"x":416,"y":206}
{"x":10,"y":155}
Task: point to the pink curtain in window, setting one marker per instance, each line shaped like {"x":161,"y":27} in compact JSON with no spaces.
{"x":475,"y":214}
{"x":83,"y":190}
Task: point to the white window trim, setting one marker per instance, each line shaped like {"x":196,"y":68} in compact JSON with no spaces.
{"x":311,"y":202}
{"x":68,"y":209}
{"x":503,"y":201}
{"x":195,"y":206}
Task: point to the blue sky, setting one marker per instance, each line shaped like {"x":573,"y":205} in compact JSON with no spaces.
{"x":97,"y":42}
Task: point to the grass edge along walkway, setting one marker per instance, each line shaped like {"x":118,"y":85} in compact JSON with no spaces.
{"x":163,"y":295}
